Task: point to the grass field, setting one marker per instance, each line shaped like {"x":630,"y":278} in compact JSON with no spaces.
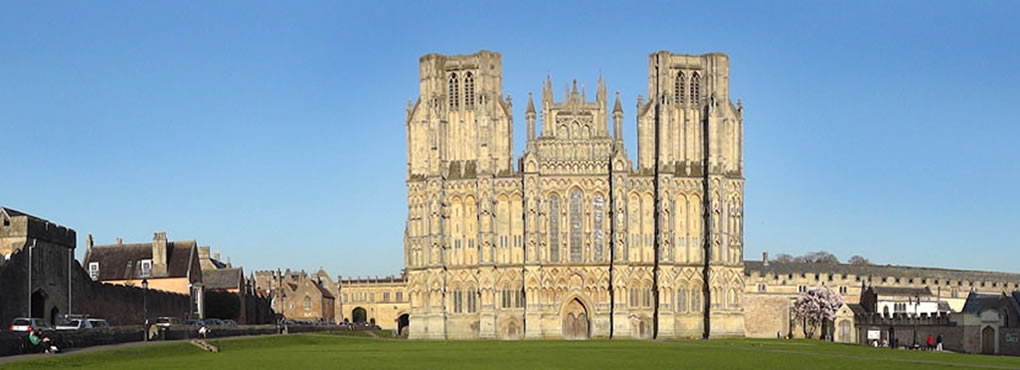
{"x":354,"y":351}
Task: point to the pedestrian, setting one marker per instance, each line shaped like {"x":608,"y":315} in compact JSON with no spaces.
{"x":931,"y":342}
{"x":938,"y":343}
{"x":203,"y":332}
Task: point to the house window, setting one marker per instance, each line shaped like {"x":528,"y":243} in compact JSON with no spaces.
{"x":386,"y":296}
{"x":400,"y":296}
{"x":308,"y":303}
{"x":145,"y":268}
{"x":842,"y":290}
{"x":801,"y":289}
{"x":94,"y":270}
{"x":761,"y":287}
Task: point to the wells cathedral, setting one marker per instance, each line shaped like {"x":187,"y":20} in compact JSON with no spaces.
{"x":572,"y":240}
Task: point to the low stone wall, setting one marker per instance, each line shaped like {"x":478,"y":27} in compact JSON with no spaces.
{"x":10,"y":343}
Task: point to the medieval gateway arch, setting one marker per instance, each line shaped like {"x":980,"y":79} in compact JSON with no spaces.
{"x":573,"y":240}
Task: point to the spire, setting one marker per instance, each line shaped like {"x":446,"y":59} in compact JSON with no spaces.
{"x":531,"y":105}
{"x":600,"y":94}
{"x":547,"y":95}
{"x":617,"y":108}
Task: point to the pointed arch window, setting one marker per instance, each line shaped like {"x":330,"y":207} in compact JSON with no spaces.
{"x":576,"y":226}
{"x":678,"y":88}
{"x":597,"y":219}
{"x":696,"y":89}
{"x":681,"y":300}
{"x":454,"y":92}
{"x":469,"y":91}
{"x":554,"y":228}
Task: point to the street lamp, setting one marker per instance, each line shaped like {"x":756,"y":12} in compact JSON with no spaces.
{"x":145,"y":306}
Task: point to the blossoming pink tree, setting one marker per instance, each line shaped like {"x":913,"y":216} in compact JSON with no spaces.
{"x":815,"y":307}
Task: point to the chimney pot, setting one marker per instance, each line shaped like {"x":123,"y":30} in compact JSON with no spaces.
{"x":765,"y":258}
{"x":119,"y":240}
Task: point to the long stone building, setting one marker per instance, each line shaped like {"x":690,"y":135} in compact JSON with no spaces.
{"x":562,"y":242}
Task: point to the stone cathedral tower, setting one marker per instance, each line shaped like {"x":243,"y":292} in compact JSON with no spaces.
{"x":572,"y":241}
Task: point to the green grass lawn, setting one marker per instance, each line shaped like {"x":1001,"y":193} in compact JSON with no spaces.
{"x":355,"y":352}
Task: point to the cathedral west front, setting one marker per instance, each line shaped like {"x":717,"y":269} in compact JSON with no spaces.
{"x":574,"y":239}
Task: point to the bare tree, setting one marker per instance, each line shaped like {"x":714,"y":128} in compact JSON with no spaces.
{"x":858,"y":260}
{"x":820,"y":257}
{"x":783,"y":258}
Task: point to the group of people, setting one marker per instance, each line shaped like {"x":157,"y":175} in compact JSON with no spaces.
{"x":935,"y":343}
{"x":38,"y":342}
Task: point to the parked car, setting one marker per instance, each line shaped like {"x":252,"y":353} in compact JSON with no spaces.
{"x":167,"y":321}
{"x":98,"y":323}
{"x":25,"y":324}
{"x":229,"y":322}
{"x":74,"y":324}
{"x":213,"y":322}
{"x":192,"y":323}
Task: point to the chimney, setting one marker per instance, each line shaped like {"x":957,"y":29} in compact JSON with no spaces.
{"x":120,"y":241}
{"x":159,"y":261}
{"x":216,"y":256}
{"x":203,"y":253}
{"x":765,"y":258}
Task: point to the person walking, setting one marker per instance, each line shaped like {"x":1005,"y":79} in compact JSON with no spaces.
{"x":931,"y":342}
{"x":938,"y":343}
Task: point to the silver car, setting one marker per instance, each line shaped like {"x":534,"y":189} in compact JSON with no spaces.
{"x":25,"y":324}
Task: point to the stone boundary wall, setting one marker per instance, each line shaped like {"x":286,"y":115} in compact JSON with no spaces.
{"x":904,"y":329}
{"x":10,"y":343}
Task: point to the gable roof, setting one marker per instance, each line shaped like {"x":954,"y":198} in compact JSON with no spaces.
{"x":324,"y":291}
{"x":223,"y":278}
{"x":16,"y":213}
{"x":121,"y":261}
{"x":977,"y":302}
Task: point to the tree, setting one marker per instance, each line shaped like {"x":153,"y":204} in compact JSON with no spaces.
{"x":783,"y":258}
{"x":815,"y":307}
{"x":820,"y":257}
{"x":859,"y":260}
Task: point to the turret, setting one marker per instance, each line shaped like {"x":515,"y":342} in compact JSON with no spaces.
{"x":618,"y":119}
{"x":529,"y":116}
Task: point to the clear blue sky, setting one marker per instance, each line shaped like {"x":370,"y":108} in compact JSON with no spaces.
{"x":274,"y":131}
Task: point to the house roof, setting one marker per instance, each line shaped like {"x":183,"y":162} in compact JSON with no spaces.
{"x":223,"y":278}
{"x":324,"y":291}
{"x":977,"y":302}
{"x":121,"y":261}
{"x":857,"y":308}
{"x":901,"y":291}
{"x":784,"y":268}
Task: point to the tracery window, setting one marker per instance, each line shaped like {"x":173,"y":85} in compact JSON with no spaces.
{"x":469,"y":91}
{"x":454,"y":92}
{"x":696,"y":295}
{"x":597,"y":205}
{"x":681,"y":300}
{"x":471,"y":295}
{"x":575,"y":226}
{"x":696,"y":89}
{"x":308,"y":303}
{"x":678,"y":88}
{"x":554,"y":228}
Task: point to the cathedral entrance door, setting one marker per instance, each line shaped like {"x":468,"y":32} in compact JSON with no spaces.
{"x":575,"y":321}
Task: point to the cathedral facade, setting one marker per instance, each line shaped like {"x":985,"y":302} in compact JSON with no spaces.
{"x":573,"y":240}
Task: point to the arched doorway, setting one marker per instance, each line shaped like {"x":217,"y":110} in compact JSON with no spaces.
{"x":39,"y":304}
{"x":359,"y":315}
{"x":844,"y":331}
{"x":988,"y":340}
{"x":403,"y":323}
{"x":575,"y":321}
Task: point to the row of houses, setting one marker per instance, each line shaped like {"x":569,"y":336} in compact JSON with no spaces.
{"x":182,"y":269}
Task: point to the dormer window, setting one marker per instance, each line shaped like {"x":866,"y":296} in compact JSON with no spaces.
{"x":94,"y":270}
{"x":145,"y":268}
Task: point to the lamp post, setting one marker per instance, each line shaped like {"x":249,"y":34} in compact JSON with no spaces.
{"x":145,"y":306}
